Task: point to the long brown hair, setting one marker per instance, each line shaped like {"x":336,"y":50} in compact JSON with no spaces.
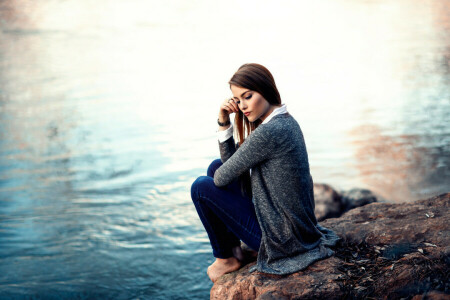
{"x":254,"y":77}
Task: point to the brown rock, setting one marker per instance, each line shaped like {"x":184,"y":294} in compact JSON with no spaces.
{"x":388,"y":251}
{"x":357,"y":198}
{"x":328,"y":202}
{"x":385,"y":223}
{"x":433,"y":295}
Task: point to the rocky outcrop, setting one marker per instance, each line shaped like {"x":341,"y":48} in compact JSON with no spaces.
{"x":328,"y":202}
{"x":388,"y":251}
{"x":332,"y":204}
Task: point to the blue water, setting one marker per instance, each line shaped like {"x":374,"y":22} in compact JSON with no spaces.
{"x":108,"y":113}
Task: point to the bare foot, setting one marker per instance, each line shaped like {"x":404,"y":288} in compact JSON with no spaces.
{"x":222,"y":266}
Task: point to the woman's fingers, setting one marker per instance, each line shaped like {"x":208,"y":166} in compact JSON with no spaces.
{"x":229,"y":106}
{"x":233,"y":104}
{"x":236,"y":108}
{"x":224,"y":109}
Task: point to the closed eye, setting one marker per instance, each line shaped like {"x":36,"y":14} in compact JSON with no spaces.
{"x":246,"y":98}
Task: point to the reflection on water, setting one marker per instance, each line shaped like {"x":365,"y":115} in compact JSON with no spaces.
{"x":107,"y":116}
{"x":397,"y":165}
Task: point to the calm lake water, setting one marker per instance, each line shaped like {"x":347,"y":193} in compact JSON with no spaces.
{"x":108,"y":114}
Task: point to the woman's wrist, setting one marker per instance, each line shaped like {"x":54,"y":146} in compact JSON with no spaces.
{"x":227,"y":122}
{"x":222,"y":128}
{"x":223,"y":119}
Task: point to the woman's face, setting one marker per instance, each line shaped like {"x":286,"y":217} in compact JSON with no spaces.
{"x":251,"y":103}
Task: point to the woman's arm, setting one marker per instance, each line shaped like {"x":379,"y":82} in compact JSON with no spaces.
{"x":225,"y":133}
{"x":226,"y":143}
{"x":257,"y":147}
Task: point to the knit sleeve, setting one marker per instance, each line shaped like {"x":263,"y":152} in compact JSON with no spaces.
{"x":227,"y":149}
{"x":257,"y":147}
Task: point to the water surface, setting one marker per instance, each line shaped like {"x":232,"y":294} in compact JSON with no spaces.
{"x":108,"y":113}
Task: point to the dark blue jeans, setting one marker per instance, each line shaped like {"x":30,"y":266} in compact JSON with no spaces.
{"x":227,"y":215}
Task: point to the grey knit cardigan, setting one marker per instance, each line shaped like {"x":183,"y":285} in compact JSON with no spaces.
{"x":282,"y":189}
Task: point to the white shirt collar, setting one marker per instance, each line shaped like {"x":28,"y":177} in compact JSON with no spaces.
{"x":276,"y":111}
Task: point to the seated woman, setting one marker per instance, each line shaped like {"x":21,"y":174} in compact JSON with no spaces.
{"x":260,"y":192}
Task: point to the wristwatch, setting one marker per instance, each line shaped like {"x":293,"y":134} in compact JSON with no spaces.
{"x":223,"y":124}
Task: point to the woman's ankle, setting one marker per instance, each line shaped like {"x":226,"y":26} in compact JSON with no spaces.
{"x":228,"y":260}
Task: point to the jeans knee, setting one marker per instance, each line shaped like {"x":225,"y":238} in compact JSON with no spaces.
{"x":199,"y":184}
{"x":213,"y":166}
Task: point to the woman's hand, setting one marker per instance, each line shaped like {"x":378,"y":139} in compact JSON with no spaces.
{"x":228,"y":106}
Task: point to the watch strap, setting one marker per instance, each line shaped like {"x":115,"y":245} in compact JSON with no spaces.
{"x":223,"y":124}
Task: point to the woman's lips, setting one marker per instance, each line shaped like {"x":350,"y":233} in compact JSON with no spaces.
{"x":247,"y":113}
